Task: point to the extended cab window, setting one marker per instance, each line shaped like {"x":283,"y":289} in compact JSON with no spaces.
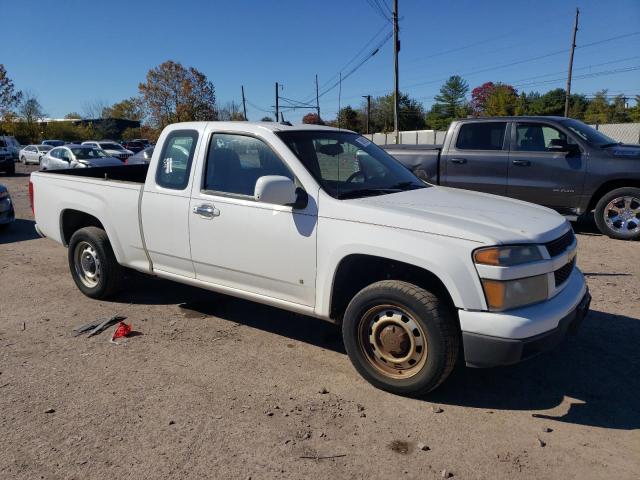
{"x":236,"y":162}
{"x":174,"y":165}
{"x":536,"y":137}
{"x":481,"y":136}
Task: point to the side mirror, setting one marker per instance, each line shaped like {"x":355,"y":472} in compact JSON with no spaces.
{"x":558,"y":145}
{"x":275,"y":189}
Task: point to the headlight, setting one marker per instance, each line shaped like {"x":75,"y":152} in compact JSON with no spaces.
{"x":4,"y":195}
{"x":508,"y":294}
{"x":507,"y":256}
{"x":503,"y":295}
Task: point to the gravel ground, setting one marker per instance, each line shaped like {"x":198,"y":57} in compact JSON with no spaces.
{"x":215,"y":387}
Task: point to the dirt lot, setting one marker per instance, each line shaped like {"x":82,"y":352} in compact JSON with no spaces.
{"x":215,"y":387}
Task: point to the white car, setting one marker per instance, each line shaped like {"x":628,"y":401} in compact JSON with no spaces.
{"x":77,"y":156}
{"x":112,"y":148}
{"x":33,"y":153}
{"x":295,"y":217}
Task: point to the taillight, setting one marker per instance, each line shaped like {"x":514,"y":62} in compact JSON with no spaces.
{"x":33,"y":205}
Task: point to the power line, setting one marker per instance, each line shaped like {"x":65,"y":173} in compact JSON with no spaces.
{"x":375,"y":5}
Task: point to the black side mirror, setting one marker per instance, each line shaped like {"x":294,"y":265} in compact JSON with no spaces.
{"x":302,"y":199}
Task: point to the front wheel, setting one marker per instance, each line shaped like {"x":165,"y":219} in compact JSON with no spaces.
{"x":93,"y":265}
{"x":617,"y":214}
{"x":23,"y":160}
{"x":400,"y":338}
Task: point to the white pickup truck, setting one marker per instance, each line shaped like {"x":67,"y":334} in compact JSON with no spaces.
{"x":322,"y":222}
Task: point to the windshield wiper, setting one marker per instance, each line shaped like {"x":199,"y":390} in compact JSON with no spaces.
{"x":405,"y":185}
{"x":366,"y":192}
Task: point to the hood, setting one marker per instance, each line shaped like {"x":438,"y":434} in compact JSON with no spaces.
{"x":118,"y":152}
{"x":451,"y":212}
{"x":625,"y":151}
{"x":102,"y":162}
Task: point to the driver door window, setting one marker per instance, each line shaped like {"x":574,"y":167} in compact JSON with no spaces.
{"x":538,"y":138}
{"x":236,"y":162}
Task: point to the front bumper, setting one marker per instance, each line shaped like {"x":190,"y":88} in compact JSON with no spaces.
{"x":492,"y":339}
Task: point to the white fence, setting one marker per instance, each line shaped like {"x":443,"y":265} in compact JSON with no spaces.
{"x":621,"y":132}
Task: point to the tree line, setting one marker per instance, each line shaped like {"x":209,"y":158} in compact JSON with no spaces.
{"x":173,"y":93}
{"x":489,"y":99}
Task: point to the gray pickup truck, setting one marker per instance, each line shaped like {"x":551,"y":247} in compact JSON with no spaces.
{"x":557,"y":162}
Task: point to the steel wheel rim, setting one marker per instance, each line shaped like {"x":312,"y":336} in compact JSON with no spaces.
{"x":622,"y":214}
{"x":392,"y":341}
{"x":87,"y":264}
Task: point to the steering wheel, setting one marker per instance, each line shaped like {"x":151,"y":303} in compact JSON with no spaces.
{"x":355,"y":175}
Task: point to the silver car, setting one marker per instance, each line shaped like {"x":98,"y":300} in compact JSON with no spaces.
{"x":77,"y":156}
{"x":142,"y":157}
{"x":33,"y":153}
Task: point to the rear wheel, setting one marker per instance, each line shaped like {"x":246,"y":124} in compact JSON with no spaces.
{"x":23,"y":160}
{"x":400,"y":338}
{"x":12,"y":169}
{"x":93,"y":265}
{"x":617,"y":214}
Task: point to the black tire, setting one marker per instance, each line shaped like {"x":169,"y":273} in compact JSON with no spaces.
{"x":432,"y":316}
{"x":110,"y":277}
{"x":11,"y":170}
{"x":601,"y":213}
{"x":23,"y":160}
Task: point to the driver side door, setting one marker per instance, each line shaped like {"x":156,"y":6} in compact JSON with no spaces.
{"x":540,"y":174}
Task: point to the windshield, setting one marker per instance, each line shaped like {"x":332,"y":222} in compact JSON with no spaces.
{"x":348,"y":165}
{"x":587,"y":133}
{"x":111,"y":146}
{"x":88,"y":153}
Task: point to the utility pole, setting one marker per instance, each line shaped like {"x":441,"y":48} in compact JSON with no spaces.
{"x":368,"y":97}
{"x":317,"y":99}
{"x":277,"y":108}
{"x":244,"y":104}
{"x":573,"y":47}
{"x":396,"y":49}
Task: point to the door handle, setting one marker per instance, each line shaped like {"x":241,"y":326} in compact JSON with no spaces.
{"x":206,"y":211}
{"x":459,"y":160}
{"x":522,"y":163}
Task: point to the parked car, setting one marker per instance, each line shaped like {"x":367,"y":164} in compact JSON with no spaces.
{"x":77,"y":156}
{"x":7,"y":163}
{"x":413,"y":273}
{"x":557,"y":162}
{"x":12,"y":145}
{"x":144,"y":156}
{"x":135,"y":147}
{"x":112,"y":148}
{"x":143,"y":141}
{"x":53,"y":143}
{"x":7,"y":213}
{"x":33,"y":153}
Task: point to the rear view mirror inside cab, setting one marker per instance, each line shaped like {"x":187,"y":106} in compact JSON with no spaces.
{"x":331,"y":149}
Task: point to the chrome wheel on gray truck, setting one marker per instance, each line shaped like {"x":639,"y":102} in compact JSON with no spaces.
{"x":617,"y":213}
{"x":401,"y":338}
{"x":93,"y":265}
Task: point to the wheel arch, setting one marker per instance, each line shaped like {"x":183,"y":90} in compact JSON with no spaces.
{"x":610,"y":185}
{"x":356,"y":271}
{"x":72,"y":220}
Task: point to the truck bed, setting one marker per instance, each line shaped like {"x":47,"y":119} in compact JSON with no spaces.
{"x":110,"y":194}
{"x":423,"y":160}
{"x":125,"y":173}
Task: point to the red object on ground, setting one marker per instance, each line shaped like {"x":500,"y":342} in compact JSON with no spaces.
{"x":122,"y":331}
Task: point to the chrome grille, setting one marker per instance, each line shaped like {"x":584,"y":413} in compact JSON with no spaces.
{"x":559,"y":245}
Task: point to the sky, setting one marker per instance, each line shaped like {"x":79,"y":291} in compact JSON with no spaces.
{"x":72,"y":53}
